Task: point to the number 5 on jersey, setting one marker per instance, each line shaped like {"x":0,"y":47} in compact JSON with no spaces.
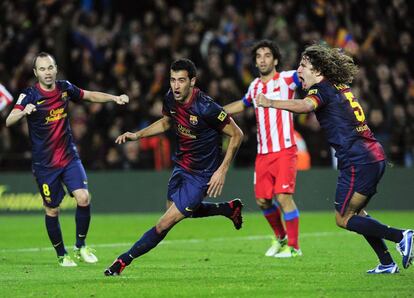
{"x":359,"y":113}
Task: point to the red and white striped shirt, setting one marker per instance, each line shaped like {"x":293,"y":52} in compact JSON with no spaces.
{"x":275,"y":129}
{"x":5,"y":97}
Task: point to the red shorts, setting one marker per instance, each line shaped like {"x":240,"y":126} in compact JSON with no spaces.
{"x":275,"y":173}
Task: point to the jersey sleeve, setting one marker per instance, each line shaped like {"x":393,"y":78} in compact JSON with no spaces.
{"x":315,"y":96}
{"x":248,"y":97}
{"x":291,"y":79}
{"x":215,"y":116}
{"x":23,"y":99}
{"x":75,"y":93}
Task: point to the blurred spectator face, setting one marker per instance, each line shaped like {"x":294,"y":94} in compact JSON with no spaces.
{"x":213,"y":89}
{"x":265,"y":61}
{"x":386,"y":92}
{"x":376,"y":117}
{"x":405,"y":41}
{"x":112,"y":156}
{"x":181,"y":85}
{"x":399,"y":113}
{"x":383,"y":73}
{"x":46,"y":71}
{"x":131,"y":151}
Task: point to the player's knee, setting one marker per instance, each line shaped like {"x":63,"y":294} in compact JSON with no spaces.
{"x":53,"y":212}
{"x":341,"y":222}
{"x":286,"y":201}
{"x":264,"y":204}
{"x":82,"y":198}
{"x":163,"y":227}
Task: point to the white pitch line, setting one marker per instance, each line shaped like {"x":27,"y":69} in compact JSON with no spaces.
{"x":221,"y":239}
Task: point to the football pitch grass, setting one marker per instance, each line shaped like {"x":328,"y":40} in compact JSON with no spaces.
{"x":199,"y":258}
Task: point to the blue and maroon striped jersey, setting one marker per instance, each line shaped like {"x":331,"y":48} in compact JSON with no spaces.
{"x":198,"y":125}
{"x":49,"y":129}
{"x":343,"y":120}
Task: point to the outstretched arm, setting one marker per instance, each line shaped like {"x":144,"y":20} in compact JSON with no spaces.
{"x":155,"y":128}
{"x":100,"y":97}
{"x":235,"y":107}
{"x":16,"y":114}
{"x":216,"y":182}
{"x":295,"y":105}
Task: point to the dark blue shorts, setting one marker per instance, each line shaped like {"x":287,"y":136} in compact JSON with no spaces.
{"x":362,"y":179}
{"x":50,"y":181}
{"x":187,"y":190}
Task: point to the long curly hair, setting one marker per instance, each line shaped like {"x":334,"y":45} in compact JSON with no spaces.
{"x":332,"y":63}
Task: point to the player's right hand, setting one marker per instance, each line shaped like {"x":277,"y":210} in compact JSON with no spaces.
{"x":30,"y":108}
{"x":128,"y":136}
{"x":263,"y":101}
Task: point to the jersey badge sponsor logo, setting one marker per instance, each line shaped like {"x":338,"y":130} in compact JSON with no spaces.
{"x":65,"y":96}
{"x":186,"y":132}
{"x":39,"y":102}
{"x":193,"y":120}
{"x":312,"y":91}
{"x":284,"y":186}
{"x":188,"y":209}
{"x":222,"y":116}
{"x":173,"y":112}
{"x":55,"y":115}
{"x":20,"y":99}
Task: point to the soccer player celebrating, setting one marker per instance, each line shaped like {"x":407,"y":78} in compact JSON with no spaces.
{"x":275,"y":167}
{"x":55,"y":160}
{"x":326,"y":73}
{"x":198,"y":123}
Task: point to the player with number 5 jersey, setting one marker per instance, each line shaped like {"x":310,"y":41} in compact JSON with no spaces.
{"x":326,"y":73}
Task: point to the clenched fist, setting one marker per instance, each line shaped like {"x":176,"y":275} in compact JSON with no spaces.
{"x":122,"y":99}
{"x":263,"y":101}
{"x":30,"y":108}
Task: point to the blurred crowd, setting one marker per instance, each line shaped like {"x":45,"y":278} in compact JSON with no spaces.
{"x":127,"y":46}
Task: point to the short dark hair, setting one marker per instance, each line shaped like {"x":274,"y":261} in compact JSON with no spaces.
{"x":42,"y":55}
{"x":266,"y":43}
{"x":185,"y":64}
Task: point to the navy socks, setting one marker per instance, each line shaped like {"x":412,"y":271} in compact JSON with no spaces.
{"x":147,"y":242}
{"x":211,"y":209}
{"x":368,"y":226}
{"x":82,"y":219}
{"x":55,"y":234}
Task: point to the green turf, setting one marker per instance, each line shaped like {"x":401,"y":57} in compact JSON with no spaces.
{"x":199,"y":258}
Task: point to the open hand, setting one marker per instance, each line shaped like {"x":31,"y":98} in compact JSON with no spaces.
{"x":216,"y":183}
{"x":128,"y":136}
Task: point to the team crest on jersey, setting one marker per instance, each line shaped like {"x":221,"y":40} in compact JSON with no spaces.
{"x":65,"y":95}
{"x":222,"y":116}
{"x":193,"y":120}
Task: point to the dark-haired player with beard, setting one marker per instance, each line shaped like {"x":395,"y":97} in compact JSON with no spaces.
{"x":199,"y":124}
{"x":276,"y":160}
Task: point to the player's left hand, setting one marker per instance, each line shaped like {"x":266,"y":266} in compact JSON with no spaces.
{"x":122,"y":99}
{"x":263,"y":101}
{"x":216,"y":183}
